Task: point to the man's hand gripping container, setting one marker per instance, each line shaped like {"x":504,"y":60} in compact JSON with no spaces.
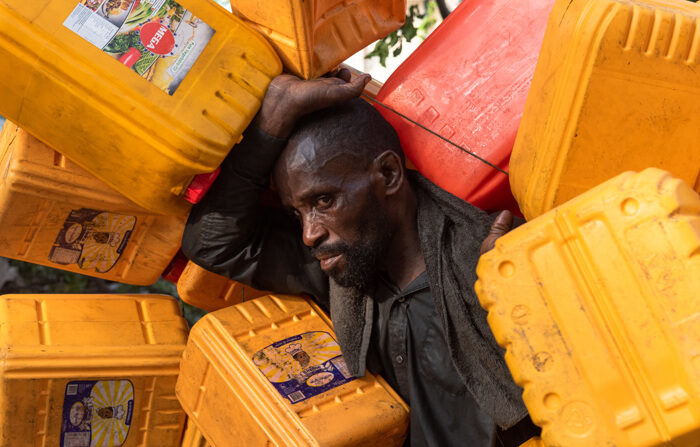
{"x":54,"y":213}
{"x":269,"y":372}
{"x":90,"y":370}
{"x":314,"y":36}
{"x":143,"y":94}
{"x":597,"y":305}
{"x":468,"y":82}
{"x":615,"y":89}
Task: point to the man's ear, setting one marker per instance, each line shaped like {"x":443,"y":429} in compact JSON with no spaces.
{"x":389,"y":167}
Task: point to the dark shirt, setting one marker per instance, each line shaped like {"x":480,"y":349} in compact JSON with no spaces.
{"x":230,"y":233}
{"x":408,"y":349}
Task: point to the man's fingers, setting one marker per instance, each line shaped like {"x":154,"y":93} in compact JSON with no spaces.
{"x":343,"y":74}
{"x":502,"y":224}
{"x":351,"y":89}
{"x":499,"y":227}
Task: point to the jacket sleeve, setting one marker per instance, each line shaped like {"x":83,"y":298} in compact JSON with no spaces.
{"x":230,"y":233}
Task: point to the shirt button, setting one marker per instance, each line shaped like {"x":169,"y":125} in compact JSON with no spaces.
{"x":402,"y":299}
{"x":399,"y":359}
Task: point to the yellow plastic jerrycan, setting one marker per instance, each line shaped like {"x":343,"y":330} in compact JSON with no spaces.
{"x":193,"y":437}
{"x":615,"y":89}
{"x":269,"y":372}
{"x":90,"y":370}
{"x":532,"y":442}
{"x":54,"y":213}
{"x":314,"y":36}
{"x":143,"y":94}
{"x":209,"y":291}
{"x":604,"y":329}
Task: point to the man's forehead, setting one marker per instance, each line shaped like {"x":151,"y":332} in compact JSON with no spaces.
{"x":308,"y":154}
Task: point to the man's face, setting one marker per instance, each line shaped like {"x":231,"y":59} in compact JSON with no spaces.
{"x":343,"y":221}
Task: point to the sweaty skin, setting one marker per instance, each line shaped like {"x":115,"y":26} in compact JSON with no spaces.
{"x":340,"y":199}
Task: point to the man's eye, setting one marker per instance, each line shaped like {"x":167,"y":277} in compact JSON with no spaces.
{"x":297,"y":215}
{"x":324,"y":201}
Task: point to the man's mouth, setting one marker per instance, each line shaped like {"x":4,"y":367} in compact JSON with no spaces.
{"x":328,"y":260}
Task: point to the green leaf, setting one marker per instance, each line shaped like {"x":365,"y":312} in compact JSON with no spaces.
{"x":393,"y":38}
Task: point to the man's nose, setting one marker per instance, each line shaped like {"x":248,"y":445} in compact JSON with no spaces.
{"x":313,"y":231}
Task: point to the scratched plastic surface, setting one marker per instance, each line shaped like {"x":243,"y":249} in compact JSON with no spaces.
{"x":90,"y":370}
{"x":269,"y":372}
{"x":604,"y":329}
{"x":468,"y":82}
{"x":209,"y":291}
{"x":615,"y":89}
{"x":314,"y":36}
{"x":54,"y":213}
{"x":145,"y":130}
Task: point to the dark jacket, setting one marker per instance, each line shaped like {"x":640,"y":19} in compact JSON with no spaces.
{"x":231,"y":234}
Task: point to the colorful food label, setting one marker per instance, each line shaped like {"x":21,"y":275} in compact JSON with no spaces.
{"x":158,"y":39}
{"x":92,"y":239}
{"x":303,"y":366}
{"x":97,"y":413}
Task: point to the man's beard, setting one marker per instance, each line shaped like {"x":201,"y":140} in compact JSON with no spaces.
{"x":363,"y":258}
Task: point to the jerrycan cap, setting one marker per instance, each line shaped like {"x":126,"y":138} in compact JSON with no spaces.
{"x":174,"y":270}
{"x":200,"y":185}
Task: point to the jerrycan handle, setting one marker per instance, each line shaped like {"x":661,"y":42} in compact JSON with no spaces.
{"x":174,"y":270}
{"x":200,"y":185}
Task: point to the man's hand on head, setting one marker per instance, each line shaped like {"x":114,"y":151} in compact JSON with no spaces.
{"x":288,"y":98}
{"x":499,"y":227}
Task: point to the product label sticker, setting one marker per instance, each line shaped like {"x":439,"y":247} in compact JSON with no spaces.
{"x":303,"y":366}
{"x":92,"y":239}
{"x":158,"y":39}
{"x":97,"y":413}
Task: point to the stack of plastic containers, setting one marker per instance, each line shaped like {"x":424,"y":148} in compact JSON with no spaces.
{"x":468,"y":82}
{"x":54,"y":213}
{"x":314,"y":36}
{"x":615,"y":89}
{"x":142,"y":94}
{"x":272,"y":370}
{"x":603,"y":332}
{"x":90,"y":370}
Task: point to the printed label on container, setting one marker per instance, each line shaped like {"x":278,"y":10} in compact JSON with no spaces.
{"x":97,"y":413}
{"x":158,"y":39}
{"x":92,"y":239}
{"x":303,"y":366}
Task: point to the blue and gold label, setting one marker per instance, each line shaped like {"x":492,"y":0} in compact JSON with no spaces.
{"x":97,"y":413}
{"x":92,"y":239}
{"x":303,"y":366}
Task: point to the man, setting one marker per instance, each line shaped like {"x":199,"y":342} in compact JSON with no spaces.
{"x":400,"y":254}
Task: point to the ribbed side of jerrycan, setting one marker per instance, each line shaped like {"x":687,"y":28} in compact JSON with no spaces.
{"x":143,"y":94}
{"x":314,"y":36}
{"x":596,"y":302}
{"x":54,"y":213}
{"x":615,"y":89}
{"x":468,"y":82}
{"x":90,"y":370}
{"x":269,"y":372}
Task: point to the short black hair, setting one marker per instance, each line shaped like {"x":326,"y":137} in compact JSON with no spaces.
{"x":356,"y":125}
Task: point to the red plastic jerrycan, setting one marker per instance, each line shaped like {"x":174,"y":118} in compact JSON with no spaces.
{"x":468,"y":82}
